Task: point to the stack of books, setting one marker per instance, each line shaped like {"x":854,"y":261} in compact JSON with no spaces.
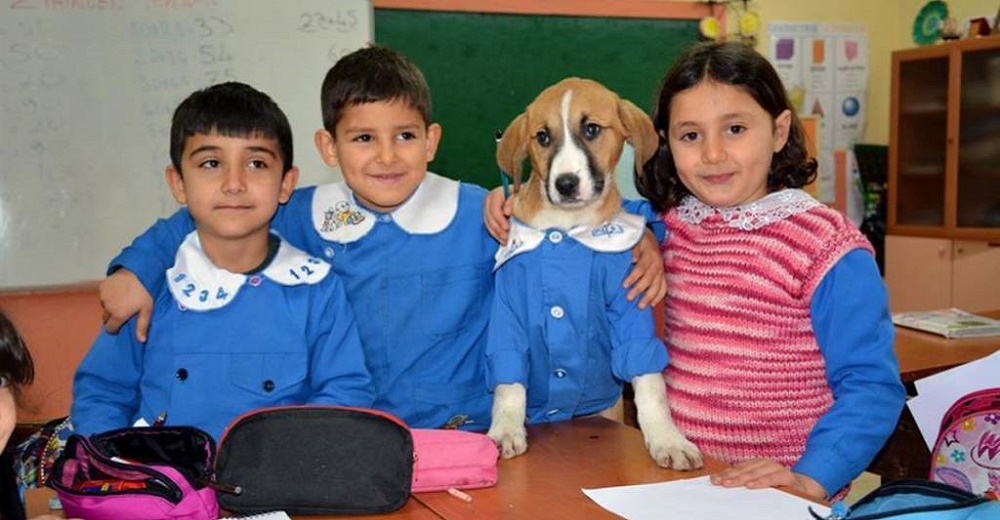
{"x":950,"y":323}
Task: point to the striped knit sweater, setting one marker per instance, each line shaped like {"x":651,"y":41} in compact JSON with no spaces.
{"x":746,"y":378}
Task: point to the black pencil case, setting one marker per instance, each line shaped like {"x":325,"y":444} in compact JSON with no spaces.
{"x":314,"y":460}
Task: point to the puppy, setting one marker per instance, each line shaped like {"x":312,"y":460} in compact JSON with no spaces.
{"x":563,"y":336}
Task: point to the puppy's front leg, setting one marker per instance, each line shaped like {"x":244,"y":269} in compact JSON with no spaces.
{"x":507,"y":427}
{"x":666,"y":444}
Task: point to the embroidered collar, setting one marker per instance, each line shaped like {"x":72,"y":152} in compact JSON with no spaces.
{"x":621,"y":233}
{"x":198,"y":284}
{"x":338,"y":217}
{"x":772,"y":208}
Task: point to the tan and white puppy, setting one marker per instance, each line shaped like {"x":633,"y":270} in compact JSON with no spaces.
{"x":573,"y":134}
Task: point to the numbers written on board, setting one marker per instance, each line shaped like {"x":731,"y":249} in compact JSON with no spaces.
{"x":339,"y":20}
{"x":213,"y":27}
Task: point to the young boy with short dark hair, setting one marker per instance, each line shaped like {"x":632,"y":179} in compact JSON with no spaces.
{"x":410,"y":244}
{"x":244,"y":320}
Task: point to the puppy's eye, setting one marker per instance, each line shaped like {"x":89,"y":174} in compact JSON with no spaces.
{"x":591,"y":130}
{"x":543,"y":138}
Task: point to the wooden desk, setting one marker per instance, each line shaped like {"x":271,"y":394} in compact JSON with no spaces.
{"x":543,"y":484}
{"x":562,"y":458}
{"x":922,"y":354}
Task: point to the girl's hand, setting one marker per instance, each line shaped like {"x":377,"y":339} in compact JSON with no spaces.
{"x":762,"y":473}
{"x":496,"y":214}
{"x":122,"y":296}
{"x":647,"y":276}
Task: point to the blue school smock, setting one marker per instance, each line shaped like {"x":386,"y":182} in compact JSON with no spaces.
{"x":221,"y":344}
{"x":561,"y":324}
{"x":419,"y":279}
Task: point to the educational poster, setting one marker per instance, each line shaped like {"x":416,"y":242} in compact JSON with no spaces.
{"x":824,"y":67}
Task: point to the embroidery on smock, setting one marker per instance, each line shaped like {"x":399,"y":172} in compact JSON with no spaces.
{"x":341,"y":214}
{"x":772,"y":208}
{"x":199,"y":285}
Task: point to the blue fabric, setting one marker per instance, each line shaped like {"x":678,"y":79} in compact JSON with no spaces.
{"x":921,"y":500}
{"x":422,"y":302}
{"x":571,"y":357}
{"x":271,"y":345}
{"x":854,"y":331}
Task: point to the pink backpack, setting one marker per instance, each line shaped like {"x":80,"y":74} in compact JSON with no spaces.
{"x":967,"y":451}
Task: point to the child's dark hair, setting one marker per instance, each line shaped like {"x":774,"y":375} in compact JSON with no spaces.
{"x":231,"y":109}
{"x":728,"y":63}
{"x":372,"y":74}
{"x":16,"y":367}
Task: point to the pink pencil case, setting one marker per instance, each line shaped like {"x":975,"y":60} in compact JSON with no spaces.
{"x":137,"y":474}
{"x":452,"y":459}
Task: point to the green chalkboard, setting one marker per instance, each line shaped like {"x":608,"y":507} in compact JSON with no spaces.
{"x":483,"y":69}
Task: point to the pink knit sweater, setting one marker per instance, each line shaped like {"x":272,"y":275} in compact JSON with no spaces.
{"x":746,"y":378}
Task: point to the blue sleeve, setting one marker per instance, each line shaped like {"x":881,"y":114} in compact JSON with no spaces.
{"x":153,"y":252}
{"x":338,"y":374}
{"x":106,"y":384}
{"x":635,"y":348}
{"x":507,"y":334}
{"x":850,"y":316}
{"x":644,"y":209}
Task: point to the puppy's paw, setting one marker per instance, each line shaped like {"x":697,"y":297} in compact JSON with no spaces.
{"x":513,"y":441}
{"x":507,"y":427}
{"x":670,"y":449}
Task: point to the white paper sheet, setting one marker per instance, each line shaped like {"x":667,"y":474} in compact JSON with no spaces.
{"x":699,"y":498}
{"x":936,"y":393}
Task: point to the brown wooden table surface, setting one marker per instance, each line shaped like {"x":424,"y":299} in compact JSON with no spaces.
{"x":562,"y":458}
{"x":922,"y":354}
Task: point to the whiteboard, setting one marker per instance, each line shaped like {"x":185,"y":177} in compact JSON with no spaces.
{"x":87,"y":90}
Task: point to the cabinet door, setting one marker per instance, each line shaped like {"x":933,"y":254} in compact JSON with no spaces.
{"x":978,"y":200}
{"x":921,"y":142}
{"x":918,"y":273}
{"x":976,"y":275}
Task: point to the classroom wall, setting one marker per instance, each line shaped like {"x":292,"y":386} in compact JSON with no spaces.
{"x":889,"y":24}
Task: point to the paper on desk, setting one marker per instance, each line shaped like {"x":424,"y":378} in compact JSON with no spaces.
{"x":699,"y":498}
{"x":936,"y":393}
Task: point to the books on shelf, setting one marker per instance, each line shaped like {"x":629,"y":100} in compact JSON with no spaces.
{"x":950,"y":323}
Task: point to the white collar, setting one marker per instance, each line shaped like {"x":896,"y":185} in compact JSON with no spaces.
{"x":198,"y":284}
{"x":769,"y":209}
{"x":338,"y":217}
{"x":621,"y":233}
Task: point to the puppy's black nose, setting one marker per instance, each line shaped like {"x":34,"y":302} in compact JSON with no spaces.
{"x":567,"y":184}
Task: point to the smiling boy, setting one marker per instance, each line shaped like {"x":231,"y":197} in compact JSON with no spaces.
{"x":244,"y":320}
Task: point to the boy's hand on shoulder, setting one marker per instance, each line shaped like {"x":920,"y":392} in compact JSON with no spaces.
{"x":496,"y":214}
{"x":763,"y":473}
{"x":647,"y":276}
{"x":122,"y":296}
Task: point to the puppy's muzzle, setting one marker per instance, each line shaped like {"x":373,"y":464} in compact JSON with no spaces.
{"x":568,"y":187}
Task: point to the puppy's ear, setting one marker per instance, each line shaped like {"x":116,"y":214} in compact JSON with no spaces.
{"x":512,"y":150}
{"x":641,"y":134}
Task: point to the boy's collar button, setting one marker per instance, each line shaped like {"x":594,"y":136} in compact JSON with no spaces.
{"x":385,"y":217}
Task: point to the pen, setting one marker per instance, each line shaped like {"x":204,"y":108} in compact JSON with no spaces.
{"x":503,"y":176}
{"x":160,"y":419}
{"x":459,"y":495}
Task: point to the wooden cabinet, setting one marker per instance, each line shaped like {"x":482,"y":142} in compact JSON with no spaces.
{"x":927,"y":273}
{"x":943,"y":243}
{"x":944,"y":143}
